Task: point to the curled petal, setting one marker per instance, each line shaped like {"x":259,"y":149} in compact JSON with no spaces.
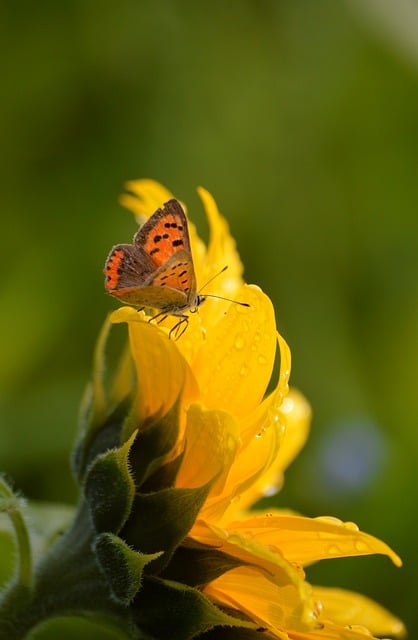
{"x":212,"y":440}
{"x":161,"y":371}
{"x":249,"y":465}
{"x":273,"y":604}
{"x":330,"y":631}
{"x":235,"y":362}
{"x":307,"y":540}
{"x":292,"y":429}
{"x":350,"y":608}
{"x":296,"y":413}
{"x":148,"y":196}
{"x":221,"y":250}
{"x":258,"y":471}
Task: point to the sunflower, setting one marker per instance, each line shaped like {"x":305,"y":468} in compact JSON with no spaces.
{"x":181,"y":435}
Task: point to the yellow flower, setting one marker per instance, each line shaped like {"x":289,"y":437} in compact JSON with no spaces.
{"x":240,"y":439}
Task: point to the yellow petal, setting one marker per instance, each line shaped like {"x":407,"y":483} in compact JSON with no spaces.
{"x":269,"y":410}
{"x":347,"y":607}
{"x":257,"y":471}
{"x":296,"y":412}
{"x":221,"y":250}
{"x":148,"y":196}
{"x":292,"y":420}
{"x":271,"y":604}
{"x":235,"y":361}
{"x":306,"y":540}
{"x":249,"y":465}
{"x":269,"y":559}
{"x":330,"y":631}
{"x":212,"y":439}
{"x":162,"y":373}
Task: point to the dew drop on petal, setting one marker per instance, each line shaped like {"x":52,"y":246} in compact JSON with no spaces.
{"x":318,"y":608}
{"x":361,"y":546}
{"x":235,"y":538}
{"x":262,"y":360}
{"x":239,"y":342}
{"x":351,"y":526}
{"x":270,"y":491}
{"x":333,"y":550}
{"x":287,"y":405}
{"x":330,"y":520}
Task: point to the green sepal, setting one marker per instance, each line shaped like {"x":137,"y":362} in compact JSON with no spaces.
{"x":160,"y":521}
{"x":106,"y":402}
{"x":153,"y":444}
{"x":122,"y":566}
{"x":110,"y":488}
{"x":165,"y":607}
{"x":196,"y":564}
{"x":92,"y":444}
{"x":12,"y":506}
{"x":164,"y":477}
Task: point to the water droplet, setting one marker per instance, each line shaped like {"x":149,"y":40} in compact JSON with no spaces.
{"x":361,"y":546}
{"x":239,"y":342}
{"x":270,"y":491}
{"x":235,"y":538}
{"x":261,"y":359}
{"x":330,"y":520}
{"x":318,"y":608}
{"x":351,"y":526}
{"x":287,"y":405}
{"x":244,"y":370}
{"x":333,"y":550}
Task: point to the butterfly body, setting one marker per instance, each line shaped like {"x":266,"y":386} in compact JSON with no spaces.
{"x":157,"y":269}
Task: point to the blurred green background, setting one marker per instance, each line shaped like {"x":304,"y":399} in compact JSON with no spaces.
{"x":301,"y":118}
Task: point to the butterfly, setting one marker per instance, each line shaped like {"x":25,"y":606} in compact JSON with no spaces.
{"x":157,"y":269}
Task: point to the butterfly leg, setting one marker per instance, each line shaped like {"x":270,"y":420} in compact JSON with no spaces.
{"x":175,"y":331}
{"x":160,"y":317}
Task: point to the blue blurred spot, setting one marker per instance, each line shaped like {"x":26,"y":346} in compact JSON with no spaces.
{"x":351,"y":456}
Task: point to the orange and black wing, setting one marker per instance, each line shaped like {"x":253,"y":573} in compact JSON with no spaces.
{"x":164,"y":234}
{"x":127,"y":266}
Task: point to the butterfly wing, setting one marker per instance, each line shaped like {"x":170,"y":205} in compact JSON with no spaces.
{"x":164,"y":234}
{"x":127,"y":266}
{"x":176,"y":282}
{"x":157,"y":270}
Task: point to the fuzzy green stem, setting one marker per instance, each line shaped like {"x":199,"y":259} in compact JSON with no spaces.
{"x":10,"y":504}
{"x":67,"y":582}
{"x":24,"y":576}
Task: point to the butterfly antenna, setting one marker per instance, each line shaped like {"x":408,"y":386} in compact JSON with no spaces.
{"x":211,"y":295}
{"x":213,"y":277}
